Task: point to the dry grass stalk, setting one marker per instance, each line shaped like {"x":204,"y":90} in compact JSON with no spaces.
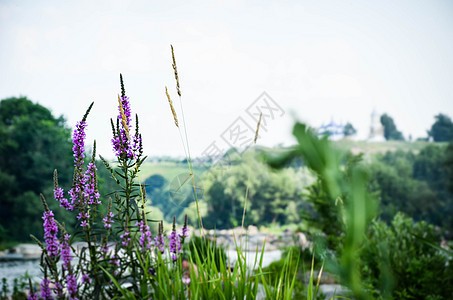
{"x":172,"y":108}
{"x":123,"y":118}
{"x":257,"y":128}
{"x":176,"y":70}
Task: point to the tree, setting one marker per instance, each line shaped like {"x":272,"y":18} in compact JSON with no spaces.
{"x":442,"y":129}
{"x":390,"y":131}
{"x":268,"y":193}
{"x":349,"y":130}
{"x":32,"y":144}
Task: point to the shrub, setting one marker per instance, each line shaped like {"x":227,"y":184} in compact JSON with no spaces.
{"x":398,"y":263}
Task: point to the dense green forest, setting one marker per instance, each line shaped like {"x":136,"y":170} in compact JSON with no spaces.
{"x":33,"y":143}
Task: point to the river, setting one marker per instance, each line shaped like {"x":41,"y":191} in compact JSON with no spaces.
{"x":18,"y":268}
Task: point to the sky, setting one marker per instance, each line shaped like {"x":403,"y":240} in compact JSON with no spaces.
{"x":316,"y":61}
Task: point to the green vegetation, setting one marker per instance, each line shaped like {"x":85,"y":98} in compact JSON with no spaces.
{"x":32,"y":144}
{"x":416,"y":184}
{"x":442,"y":129}
{"x":349,"y":130}
{"x":390,"y":131}
{"x":379,"y":221}
{"x":399,"y":264}
{"x":272,"y":197}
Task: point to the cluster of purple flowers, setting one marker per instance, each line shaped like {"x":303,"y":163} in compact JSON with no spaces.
{"x":54,"y":248}
{"x":184,"y":232}
{"x":46,"y":292}
{"x":59,"y":290}
{"x":125,"y":145}
{"x":145,"y":236}
{"x":84,"y":217}
{"x":84,"y":189}
{"x":107,"y":220}
{"x":121,"y":143}
{"x":90,"y":191}
{"x":126,"y":237}
{"x":160,"y":243}
{"x":50,"y":233}
{"x":66,"y":252}
{"x":174,"y":242}
{"x":78,"y":141}
{"x":137,"y":143}
{"x":86,"y":278}
{"x":115,"y":261}
{"x":58,"y":194}
{"x":175,"y":245}
{"x":72,"y":286}
{"x":33,"y":296}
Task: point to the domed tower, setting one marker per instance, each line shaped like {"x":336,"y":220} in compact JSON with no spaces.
{"x":376,"y":128}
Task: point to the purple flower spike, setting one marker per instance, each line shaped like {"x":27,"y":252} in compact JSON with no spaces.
{"x":184,"y":232}
{"x":59,"y":290}
{"x":46,"y":293}
{"x":90,"y":188}
{"x":84,"y":217}
{"x":78,"y":140}
{"x":126,"y":237}
{"x":66,"y":253}
{"x":33,"y":296}
{"x":121,"y":144}
{"x":72,"y":286}
{"x":145,"y":237}
{"x":108,"y":220}
{"x":58,"y":195}
{"x":50,"y":233}
{"x":86,"y":278}
{"x":174,"y":245}
{"x":160,"y":244}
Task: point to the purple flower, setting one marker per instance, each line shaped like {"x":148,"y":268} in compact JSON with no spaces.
{"x":174,"y":246}
{"x":86,"y":278}
{"x":126,"y":237}
{"x":160,"y":244}
{"x":66,"y":253}
{"x":58,"y":195}
{"x":184,"y":233}
{"x":115,"y":261}
{"x":90,"y":188}
{"x":59,"y":290}
{"x":50,"y":233}
{"x":32,"y":296}
{"x":46,"y":293}
{"x":104,"y":249}
{"x":137,"y":142}
{"x":145,"y":237}
{"x":108,"y":220}
{"x":84,"y":217}
{"x":186,"y":280}
{"x":78,"y":141}
{"x":72,"y":286}
{"x":121,"y":143}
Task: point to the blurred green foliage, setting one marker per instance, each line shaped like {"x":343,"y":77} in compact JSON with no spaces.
{"x":272,"y":197}
{"x":397,"y":264}
{"x":442,"y":129}
{"x":32,"y":144}
{"x":416,"y":184}
{"x":390,"y":131}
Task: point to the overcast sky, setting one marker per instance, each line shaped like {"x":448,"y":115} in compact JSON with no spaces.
{"x":318,"y":60}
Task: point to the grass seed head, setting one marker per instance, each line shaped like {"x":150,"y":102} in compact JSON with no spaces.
{"x":172,"y":108}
